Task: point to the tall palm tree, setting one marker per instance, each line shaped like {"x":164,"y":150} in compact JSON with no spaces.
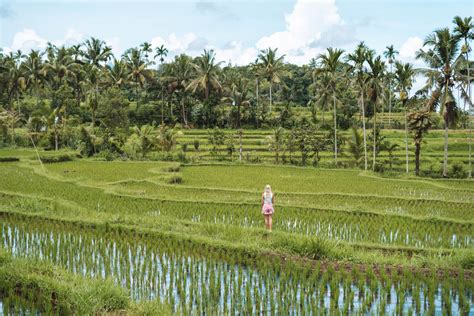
{"x":322,"y":93}
{"x":390,"y":54}
{"x":207,"y":78}
{"x":443,"y":59}
{"x":97,"y":52}
{"x":138,"y":73}
{"x":404,"y":76}
{"x":161,"y":52}
{"x":358,"y":59}
{"x":273,"y":68}
{"x":145,"y":47}
{"x":93,"y":93}
{"x":116,"y":73}
{"x":33,"y":71}
{"x":375,"y":93}
{"x":464,"y":29}
{"x":331,"y":65}
{"x":177,"y":76}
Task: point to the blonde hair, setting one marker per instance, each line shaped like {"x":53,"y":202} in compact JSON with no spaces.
{"x":268,"y":190}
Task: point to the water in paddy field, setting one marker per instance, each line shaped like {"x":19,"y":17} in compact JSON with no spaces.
{"x":14,"y":305}
{"x":176,"y":274}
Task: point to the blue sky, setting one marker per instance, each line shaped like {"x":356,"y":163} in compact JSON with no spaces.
{"x":236,"y":30}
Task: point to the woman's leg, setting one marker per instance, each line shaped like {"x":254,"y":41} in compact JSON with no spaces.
{"x":266,"y":221}
{"x":270,"y":222}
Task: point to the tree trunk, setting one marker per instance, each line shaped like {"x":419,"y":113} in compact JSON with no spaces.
{"x":406,"y":137}
{"x":390,"y":99}
{"x":162,"y":106}
{"x":374,"y":154}
{"x":183,"y":112}
{"x":55,"y":139}
{"x":335,"y":128}
{"x":469,"y":113}
{"x":363,"y":130}
{"x":417,"y":157}
{"x":271,"y":100}
{"x":445,"y":162}
{"x":93,"y":119}
{"x":256,"y":112}
{"x":240,"y":145}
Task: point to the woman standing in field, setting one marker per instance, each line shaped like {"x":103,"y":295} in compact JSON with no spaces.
{"x":267,"y":206}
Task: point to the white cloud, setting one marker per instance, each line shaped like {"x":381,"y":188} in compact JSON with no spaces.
{"x":179,"y":44}
{"x":310,"y":27}
{"x":114,"y":43}
{"x":236,"y":53}
{"x":26,"y":40}
{"x":409,"y":48}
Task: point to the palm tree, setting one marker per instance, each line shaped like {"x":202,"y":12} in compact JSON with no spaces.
{"x":238,"y":95}
{"x":97,"y":52}
{"x":116,"y":73}
{"x":375,"y":92}
{"x":273,"y":68}
{"x":464,"y":30}
{"x":390,"y":149}
{"x":419,"y":122}
{"x":330,"y":64}
{"x":146,"y":48}
{"x":404,"y":76}
{"x":177,"y":75}
{"x":161,"y":52}
{"x":33,"y":71}
{"x":356,"y":145}
{"x":146,"y":138}
{"x":443,"y":59}
{"x":168,"y":137}
{"x":137,"y":69}
{"x":390,"y":54}
{"x":256,"y":70}
{"x":321,"y":93}
{"x":358,"y":58}
{"x":206,"y":74}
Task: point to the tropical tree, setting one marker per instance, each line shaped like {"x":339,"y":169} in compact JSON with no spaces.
{"x":276,"y":142}
{"x":145,"y":47}
{"x":443,"y":59}
{"x":207,"y":70}
{"x":161,"y":52}
{"x":464,"y":29}
{"x":146,"y":138}
{"x":390,"y":54}
{"x":273,"y":68}
{"x":116,"y":75}
{"x":96,"y":52}
{"x":137,"y":70}
{"x":177,"y":76}
{"x":419,"y":122}
{"x":404,"y":76}
{"x":356,"y":145}
{"x":93,"y":93}
{"x":331,"y":65}
{"x":375,"y":91}
{"x":390,"y":149}
{"x":168,"y":137}
{"x":33,"y":71}
{"x":357,"y":59}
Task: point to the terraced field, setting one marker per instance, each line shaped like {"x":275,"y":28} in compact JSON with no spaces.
{"x":343,"y":240}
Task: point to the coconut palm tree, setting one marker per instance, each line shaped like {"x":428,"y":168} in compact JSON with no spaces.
{"x":146,"y":138}
{"x":207,"y":78}
{"x":273,"y":68}
{"x":357,"y":61}
{"x":168,"y":137}
{"x":443,"y":59}
{"x":116,"y":75}
{"x":138,"y":73}
{"x":331,"y":65}
{"x":161,"y":52}
{"x":93,"y":93}
{"x":322,"y":93}
{"x":464,"y":29}
{"x":33,"y":71}
{"x":404,"y":76}
{"x":97,"y":52}
{"x":177,"y":76}
{"x":356,"y":145}
{"x":145,"y":47}
{"x":390,"y":54}
{"x":419,"y":122}
{"x":375,"y":92}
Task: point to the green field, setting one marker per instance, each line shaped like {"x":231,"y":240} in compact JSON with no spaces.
{"x":161,"y":230}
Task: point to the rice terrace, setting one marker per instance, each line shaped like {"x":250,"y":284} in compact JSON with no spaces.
{"x":303,"y":157}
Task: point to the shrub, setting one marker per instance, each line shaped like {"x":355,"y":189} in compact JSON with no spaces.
{"x":9,"y":159}
{"x":196,"y":144}
{"x":458,"y":171}
{"x":174,"y":179}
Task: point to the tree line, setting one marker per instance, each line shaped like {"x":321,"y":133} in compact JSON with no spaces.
{"x":63,"y":95}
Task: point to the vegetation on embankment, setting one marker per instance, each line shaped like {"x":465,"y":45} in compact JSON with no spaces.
{"x":53,"y":289}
